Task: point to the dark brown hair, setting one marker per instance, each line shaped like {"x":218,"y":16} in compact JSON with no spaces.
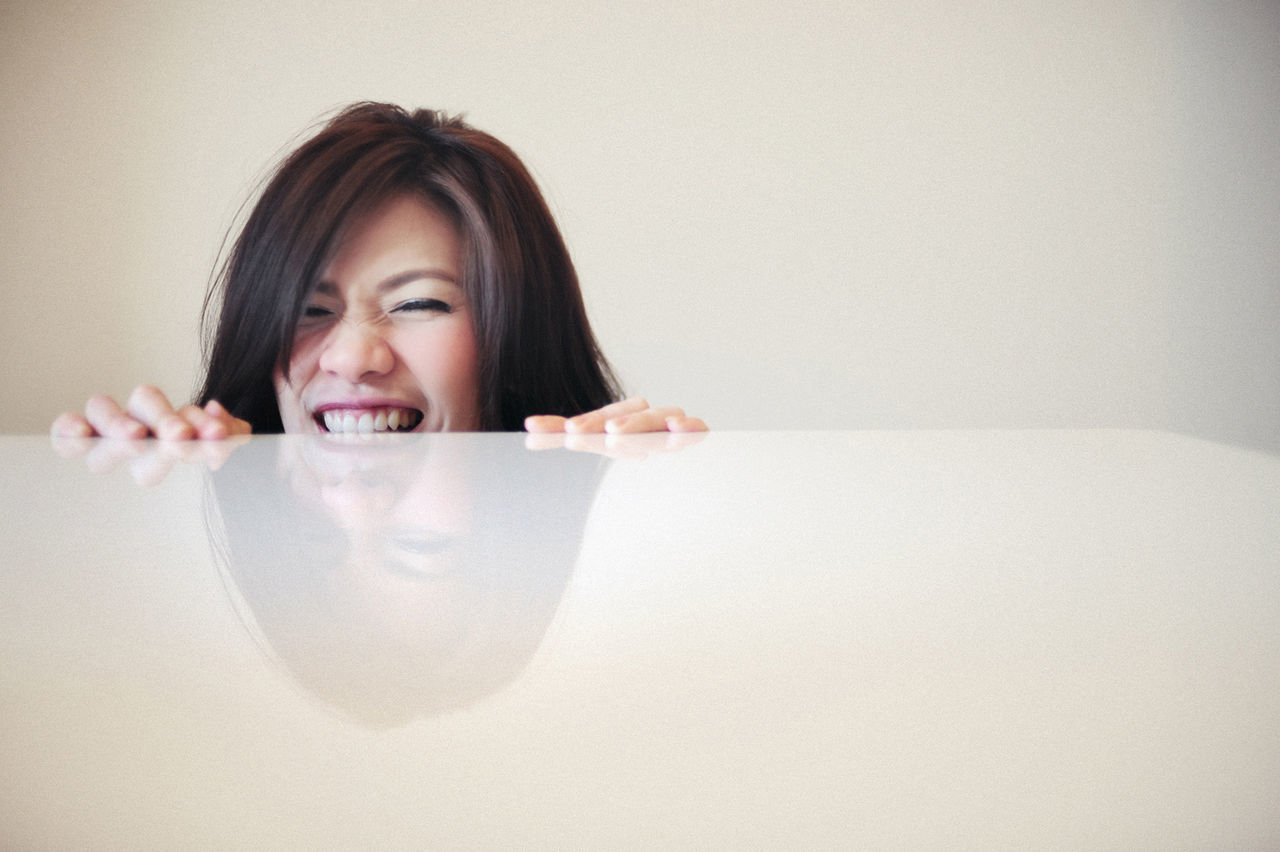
{"x":536,"y":350}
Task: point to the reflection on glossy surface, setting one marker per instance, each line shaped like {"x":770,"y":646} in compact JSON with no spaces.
{"x":905,"y":640}
{"x":381,"y":570}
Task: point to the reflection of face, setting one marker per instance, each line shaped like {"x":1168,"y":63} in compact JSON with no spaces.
{"x":404,"y":509}
{"x":395,"y":575}
{"x":386,"y":343}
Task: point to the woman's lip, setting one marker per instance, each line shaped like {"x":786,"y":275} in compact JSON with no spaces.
{"x":358,"y":404}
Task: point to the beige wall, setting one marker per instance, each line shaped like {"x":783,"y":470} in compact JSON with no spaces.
{"x":805,"y":215}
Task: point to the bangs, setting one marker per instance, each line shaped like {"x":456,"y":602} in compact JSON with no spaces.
{"x":322,"y":202}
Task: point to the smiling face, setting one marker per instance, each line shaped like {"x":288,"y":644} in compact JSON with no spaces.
{"x":386,"y":343}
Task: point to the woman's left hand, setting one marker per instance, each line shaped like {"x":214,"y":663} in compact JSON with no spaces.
{"x":619,"y":418}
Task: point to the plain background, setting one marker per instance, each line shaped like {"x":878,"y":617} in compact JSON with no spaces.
{"x":785,"y":215}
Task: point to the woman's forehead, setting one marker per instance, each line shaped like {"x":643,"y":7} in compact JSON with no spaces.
{"x":402,"y":233}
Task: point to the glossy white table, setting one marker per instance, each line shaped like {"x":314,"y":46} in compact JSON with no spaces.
{"x":829,"y":639}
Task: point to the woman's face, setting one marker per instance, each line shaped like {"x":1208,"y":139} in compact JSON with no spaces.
{"x":386,"y":343}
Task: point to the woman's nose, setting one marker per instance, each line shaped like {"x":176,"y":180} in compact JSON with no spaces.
{"x":356,"y":351}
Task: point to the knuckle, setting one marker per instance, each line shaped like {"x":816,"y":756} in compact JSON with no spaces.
{"x":143,"y":393}
{"x":63,"y":423}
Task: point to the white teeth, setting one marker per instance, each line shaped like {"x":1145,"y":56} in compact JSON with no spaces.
{"x":366,"y":421}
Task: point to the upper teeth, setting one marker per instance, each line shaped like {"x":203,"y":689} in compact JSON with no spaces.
{"x":369,"y":420}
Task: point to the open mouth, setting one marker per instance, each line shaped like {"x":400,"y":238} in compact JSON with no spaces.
{"x":367,"y":421}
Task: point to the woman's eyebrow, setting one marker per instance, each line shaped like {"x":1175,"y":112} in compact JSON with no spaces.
{"x":328,"y":288}
{"x":402,"y":278}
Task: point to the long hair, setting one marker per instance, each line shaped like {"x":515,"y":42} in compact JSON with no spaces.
{"x":537,"y":354}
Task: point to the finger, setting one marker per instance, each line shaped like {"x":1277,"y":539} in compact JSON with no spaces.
{"x":593,"y":421}
{"x":109,"y":420}
{"x":150,"y":406}
{"x":201,"y":423}
{"x":68,"y":424}
{"x":210,"y":423}
{"x":234,"y":425}
{"x":544,"y":423}
{"x":648,"y":420}
{"x":686,"y":424}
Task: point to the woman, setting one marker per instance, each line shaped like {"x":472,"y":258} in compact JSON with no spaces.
{"x":401,"y":272}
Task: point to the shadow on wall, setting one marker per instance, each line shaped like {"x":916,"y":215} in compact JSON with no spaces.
{"x":1225,"y":319}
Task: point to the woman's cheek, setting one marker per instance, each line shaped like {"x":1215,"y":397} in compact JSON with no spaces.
{"x":450,"y":366}
{"x":302,"y":366}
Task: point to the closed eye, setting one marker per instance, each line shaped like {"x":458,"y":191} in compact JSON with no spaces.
{"x":316,"y":312}
{"x":416,"y":305}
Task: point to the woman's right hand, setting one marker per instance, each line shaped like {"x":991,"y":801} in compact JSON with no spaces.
{"x":148,"y":413}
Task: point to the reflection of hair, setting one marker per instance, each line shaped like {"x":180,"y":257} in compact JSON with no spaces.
{"x":281,"y":556}
{"x":537,"y":353}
